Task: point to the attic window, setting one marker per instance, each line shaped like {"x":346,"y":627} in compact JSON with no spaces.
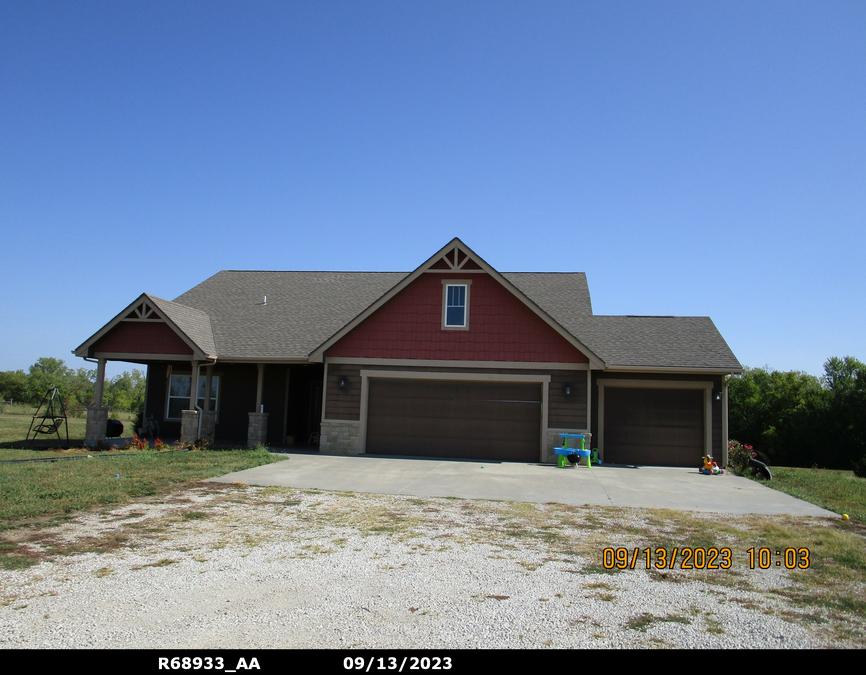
{"x":455,"y":305}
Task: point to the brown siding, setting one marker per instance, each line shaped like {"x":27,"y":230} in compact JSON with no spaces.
{"x":567,"y":412}
{"x":343,"y":404}
{"x":346,"y":404}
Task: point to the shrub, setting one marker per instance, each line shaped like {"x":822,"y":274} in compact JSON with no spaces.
{"x":739,"y":455}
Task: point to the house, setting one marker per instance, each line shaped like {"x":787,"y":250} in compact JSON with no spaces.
{"x":454,"y":359}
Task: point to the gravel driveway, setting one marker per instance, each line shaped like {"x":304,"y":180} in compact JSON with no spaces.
{"x":241,"y":567}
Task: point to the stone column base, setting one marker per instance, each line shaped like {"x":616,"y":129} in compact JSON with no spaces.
{"x":257,"y":432}
{"x":208,"y":426}
{"x":188,"y":427}
{"x":97,"y":420}
{"x":340,"y":437}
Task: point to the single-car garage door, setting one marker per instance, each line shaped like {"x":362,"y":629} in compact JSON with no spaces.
{"x":471,"y":420}
{"x":661,"y":427}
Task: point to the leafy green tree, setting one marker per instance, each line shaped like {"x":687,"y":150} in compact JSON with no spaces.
{"x":801,"y":420}
{"x":48,"y":372}
{"x":845,"y":423}
{"x":80,"y":388}
{"x":13,"y":386}
{"x":126,"y":391}
{"x":778,"y":413}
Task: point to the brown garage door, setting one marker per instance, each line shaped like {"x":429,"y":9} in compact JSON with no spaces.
{"x":471,"y":420}
{"x":662,"y":427}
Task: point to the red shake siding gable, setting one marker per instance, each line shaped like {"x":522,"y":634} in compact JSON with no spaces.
{"x":142,"y":337}
{"x":501,"y":328}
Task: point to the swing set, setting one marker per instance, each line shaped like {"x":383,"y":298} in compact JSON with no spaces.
{"x":49,"y":417}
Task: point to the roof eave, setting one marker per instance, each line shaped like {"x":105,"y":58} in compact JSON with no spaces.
{"x":613,"y":368}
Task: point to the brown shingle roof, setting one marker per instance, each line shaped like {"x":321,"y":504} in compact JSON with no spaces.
{"x":194,"y":323}
{"x":658,"y":342}
{"x":304,"y":309}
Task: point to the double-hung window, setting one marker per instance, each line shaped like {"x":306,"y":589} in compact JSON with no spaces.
{"x":455,"y":311}
{"x":179,"y":390}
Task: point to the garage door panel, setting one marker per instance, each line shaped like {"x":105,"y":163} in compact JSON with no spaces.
{"x":481,"y":430}
{"x":654,"y":426}
{"x":448,"y":447}
{"x":484,"y":420}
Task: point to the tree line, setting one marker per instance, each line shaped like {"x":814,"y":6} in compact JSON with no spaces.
{"x":798,"y":419}
{"x":77,"y":386}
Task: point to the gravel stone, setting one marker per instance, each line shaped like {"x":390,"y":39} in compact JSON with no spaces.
{"x":243,"y":567}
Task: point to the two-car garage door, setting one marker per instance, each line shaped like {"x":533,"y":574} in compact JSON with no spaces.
{"x":471,"y":420}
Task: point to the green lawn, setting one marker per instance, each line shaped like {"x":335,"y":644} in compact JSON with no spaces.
{"x":15,"y":422}
{"x":839,"y":491}
{"x":38,"y":489}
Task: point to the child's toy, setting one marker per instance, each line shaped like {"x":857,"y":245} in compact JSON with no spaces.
{"x":711,"y":468}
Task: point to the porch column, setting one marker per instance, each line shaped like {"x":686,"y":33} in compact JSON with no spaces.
{"x":189,"y":417}
{"x":257,"y":432}
{"x":260,"y":387}
{"x":97,"y":415}
{"x":208,"y":419}
{"x":100,"y":383}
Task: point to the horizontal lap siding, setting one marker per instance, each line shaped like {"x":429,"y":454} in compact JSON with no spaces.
{"x":567,"y":411}
{"x":343,"y":404}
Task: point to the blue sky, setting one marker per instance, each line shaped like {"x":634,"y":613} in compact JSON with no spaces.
{"x":693,"y":158}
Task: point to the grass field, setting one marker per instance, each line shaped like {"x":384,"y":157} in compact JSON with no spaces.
{"x":15,"y":421}
{"x":47,"y":489}
{"x":839,"y":491}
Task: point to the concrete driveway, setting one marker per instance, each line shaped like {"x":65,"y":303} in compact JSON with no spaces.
{"x":646,"y":486}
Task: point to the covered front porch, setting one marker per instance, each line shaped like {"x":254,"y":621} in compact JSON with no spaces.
{"x":194,"y":396}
